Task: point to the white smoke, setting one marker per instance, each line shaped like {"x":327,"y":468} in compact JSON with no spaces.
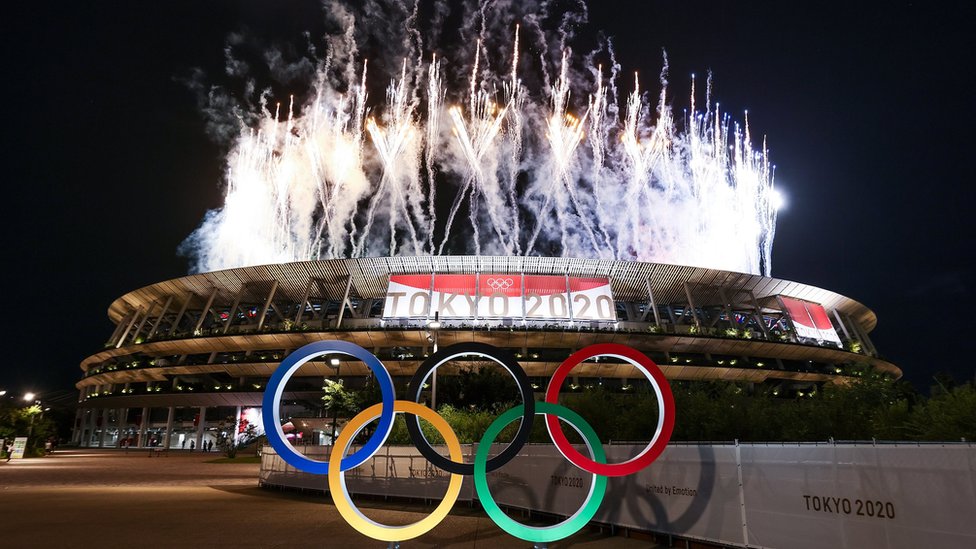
{"x":481,"y":150}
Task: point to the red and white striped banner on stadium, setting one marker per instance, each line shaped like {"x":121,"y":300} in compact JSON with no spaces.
{"x":810,"y":320}
{"x":487,"y":295}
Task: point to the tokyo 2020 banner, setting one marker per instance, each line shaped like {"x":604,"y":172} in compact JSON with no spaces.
{"x":491,"y":296}
{"x":594,"y":463}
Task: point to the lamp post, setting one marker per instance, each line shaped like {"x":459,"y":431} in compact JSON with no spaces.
{"x":29,"y":397}
{"x":334,"y":363}
{"x":3,"y":445}
{"x":434,"y":327}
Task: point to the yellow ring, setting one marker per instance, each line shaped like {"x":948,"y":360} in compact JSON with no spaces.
{"x":337,"y":478}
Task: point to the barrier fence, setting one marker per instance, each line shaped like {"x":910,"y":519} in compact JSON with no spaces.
{"x":747,"y":495}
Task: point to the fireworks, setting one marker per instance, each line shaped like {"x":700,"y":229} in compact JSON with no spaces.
{"x":537,"y":172}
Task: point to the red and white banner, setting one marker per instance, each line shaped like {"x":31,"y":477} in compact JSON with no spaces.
{"x":809,"y":320}
{"x":489,"y":295}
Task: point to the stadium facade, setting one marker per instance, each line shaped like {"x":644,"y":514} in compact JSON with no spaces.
{"x":190,"y":357}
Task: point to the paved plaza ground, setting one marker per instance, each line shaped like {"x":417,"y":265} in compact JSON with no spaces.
{"x":107,"y":498}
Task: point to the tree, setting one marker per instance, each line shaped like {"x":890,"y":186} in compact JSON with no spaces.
{"x":340,"y":401}
{"x":870,"y":405}
{"x":482,"y":386}
{"x":948,"y":415}
{"x":16,"y":421}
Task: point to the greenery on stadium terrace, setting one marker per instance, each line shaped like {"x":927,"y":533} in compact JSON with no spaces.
{"x":871,"y":406}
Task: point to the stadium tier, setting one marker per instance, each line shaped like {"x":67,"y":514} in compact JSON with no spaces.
{"x":190,"y":357}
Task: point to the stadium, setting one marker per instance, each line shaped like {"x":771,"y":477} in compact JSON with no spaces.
{"x":190,"y":357}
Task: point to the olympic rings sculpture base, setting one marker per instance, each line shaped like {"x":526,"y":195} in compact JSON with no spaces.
{"x":339,"y":463}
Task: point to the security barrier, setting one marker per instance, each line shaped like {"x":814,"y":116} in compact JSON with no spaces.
{"x":781,"y":495}
{"x":756,"y":495}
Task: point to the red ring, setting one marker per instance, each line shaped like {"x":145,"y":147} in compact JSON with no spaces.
{"x":661,"y":437}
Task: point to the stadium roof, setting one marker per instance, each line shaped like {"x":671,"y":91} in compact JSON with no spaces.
{"x":369,"y":279}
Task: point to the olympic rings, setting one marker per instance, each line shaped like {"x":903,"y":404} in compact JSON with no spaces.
{"x":276,"y":386}
{"x":337,"y":477}
{"x":566,"y":528}
{"x":665,"y":421}
{"x":491,"y":352}
{"x":500,"y":283}
{"x":338,"y":463}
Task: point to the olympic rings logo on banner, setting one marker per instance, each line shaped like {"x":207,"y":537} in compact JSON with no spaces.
{"x":339,"y":463}
{"x":500,"y":283}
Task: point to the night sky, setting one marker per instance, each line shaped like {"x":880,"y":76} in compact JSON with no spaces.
{"x":868,"y":111}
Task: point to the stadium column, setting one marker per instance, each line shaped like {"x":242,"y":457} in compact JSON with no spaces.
{"x":96,"y":421}
{"x":671,"y":317}
{"x":691,"y":305}
{"x":132,"y":321}
{"x":204,"y":312}
{"x":267,"y":304}
{"x":237,"y":425}
{"x":142,"y":323}
{"x":840,"y":323}
{"x":862,"y":336}
{"x":143,"y":427}
{"x":79,"y":427}
{"x":121,"y":326}
{"x":757,"y":314}
{"x":304,"y":301}
{"x":653,"y":302}
{"x":104,"y":428}
{"x":727,"y":306}
{"x":201,"y":424}
{"x":159,"y":319}
{"x":169,"y":427}
{"x":83,"y":426}
{"x":123,"y":423}
{"x":233,"y":311}
{"x":344,"y":302}
{"x":179,"y":316}
{"x":870,"y":344}
{"x":92,"y":422}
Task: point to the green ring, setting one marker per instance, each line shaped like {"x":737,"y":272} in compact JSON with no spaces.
{"x":566,"y":528}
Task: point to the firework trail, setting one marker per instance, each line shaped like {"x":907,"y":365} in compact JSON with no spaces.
{"x":393,"y":146}
{"x":435,"y":102}
{"x":537,"y":170}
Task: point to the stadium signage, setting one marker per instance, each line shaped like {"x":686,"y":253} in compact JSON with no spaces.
{"x":499,"y":296}
{"x":809,"y":320}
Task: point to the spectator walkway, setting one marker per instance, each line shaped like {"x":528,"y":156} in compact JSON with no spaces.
{"x":108,"y":498}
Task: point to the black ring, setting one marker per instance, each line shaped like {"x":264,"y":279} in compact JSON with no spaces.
{"x":501,"y":356}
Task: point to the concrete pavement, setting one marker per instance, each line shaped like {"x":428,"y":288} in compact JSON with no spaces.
{"x":106,"y":498}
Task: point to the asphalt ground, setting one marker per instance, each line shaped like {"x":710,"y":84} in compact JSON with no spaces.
{"x":108,"y":498}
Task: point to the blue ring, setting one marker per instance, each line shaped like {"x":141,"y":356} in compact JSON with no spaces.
{"x":276,"y":386}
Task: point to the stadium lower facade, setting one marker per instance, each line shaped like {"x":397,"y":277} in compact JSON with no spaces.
{"x":189,"y":358}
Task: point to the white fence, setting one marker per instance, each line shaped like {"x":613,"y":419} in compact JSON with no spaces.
{"x":796,"y":496}
{"x":397,"y":471}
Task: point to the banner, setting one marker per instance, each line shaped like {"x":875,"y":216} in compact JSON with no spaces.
{"x":20,"y":445}
{"x":498,"y":296}
{"x":860,"y":496}
{"x":810,"y":320}
{"x":797,"y":496}
{"x":822,"y":322}
{"x":251,"y":417}
{"x":689,"y":490}
{"x":787,"y":495}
